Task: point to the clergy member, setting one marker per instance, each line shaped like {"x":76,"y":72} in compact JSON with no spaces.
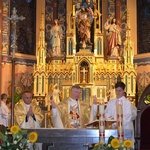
{"x":73,"y":113}
{"x":27,"y":113}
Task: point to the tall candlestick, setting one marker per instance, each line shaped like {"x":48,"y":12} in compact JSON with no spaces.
{"x":101,"y":122}
{"x":120,"y":121}
{"x":45,"y":120}
{"x":48,"y":107}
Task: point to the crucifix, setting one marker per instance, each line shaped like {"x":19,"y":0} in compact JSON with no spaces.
{"x":84,"y":75}
{"x":13,"y":19}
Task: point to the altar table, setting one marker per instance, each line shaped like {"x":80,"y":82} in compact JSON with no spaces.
{"x":73,"y":139}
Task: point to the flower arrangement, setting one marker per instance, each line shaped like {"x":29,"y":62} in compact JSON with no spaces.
{"x":16,"y":138}
{"x":114,"y":144}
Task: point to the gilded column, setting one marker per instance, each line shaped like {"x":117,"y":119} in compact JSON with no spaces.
{"x":0,"y":40}
{"x":74,"y":35}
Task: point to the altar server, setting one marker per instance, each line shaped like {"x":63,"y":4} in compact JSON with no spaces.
{"x":5,"y":112}
{"x":128,"y":114}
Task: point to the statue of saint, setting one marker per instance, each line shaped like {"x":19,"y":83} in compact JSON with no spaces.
{"x":56,"y":94}
{"x":114,"y":38}
{"x":56,"y":34}
{"x":84,"y":19}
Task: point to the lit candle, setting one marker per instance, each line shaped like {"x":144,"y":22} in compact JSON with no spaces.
{"x":101,"y":122}
{"x":120,"y":121}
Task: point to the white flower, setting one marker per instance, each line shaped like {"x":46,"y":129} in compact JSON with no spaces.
{"x":109,"y":145}
{"x":6,"y":132}
{"x":17,"y":149}
{"x":8,"y":144}
{"x":17,"y":137}
{"x":21,"y":145}
{"x":15,"y":142}
{"x":28,"y":141}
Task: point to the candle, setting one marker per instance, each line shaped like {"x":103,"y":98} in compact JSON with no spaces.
{"x":48,"y":109}
{"x":101,"y":122}
{"x":45,"y":120}
{"x":120,"y":121}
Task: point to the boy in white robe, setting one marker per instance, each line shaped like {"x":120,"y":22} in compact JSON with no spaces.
{"x":128,"y":115}
{"x":5,"y":112}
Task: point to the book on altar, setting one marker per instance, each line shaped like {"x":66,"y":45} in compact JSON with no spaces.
{"x":94,"y":123}
{"x":109,"y":123}
{"x":110,"y":120}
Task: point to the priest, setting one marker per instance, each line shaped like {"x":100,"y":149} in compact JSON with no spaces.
{"x":28,"y":115}
{"x":73,"y":113}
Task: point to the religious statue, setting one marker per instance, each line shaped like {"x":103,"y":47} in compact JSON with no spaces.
{"x":56,"y":94}
{"x":114,"y":38}
{"x":56,"y":34}
{"x":111,"y":93}
{"x":84,"y":19}
{"x":49,"y":95}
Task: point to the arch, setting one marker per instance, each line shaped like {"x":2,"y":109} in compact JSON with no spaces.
{"x":141,"y":109}
{"x":84,"y":59}
{"x":145,"y":130}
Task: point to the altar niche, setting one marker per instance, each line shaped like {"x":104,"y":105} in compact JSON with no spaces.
{"x":84,"y":27}
{"x":84,"y":72}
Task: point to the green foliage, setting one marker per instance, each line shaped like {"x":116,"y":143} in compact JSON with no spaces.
{"x":113,"y":144}
{"x":147,"y":99}
{"x":17,"y":97}
{"x":11,"y":141}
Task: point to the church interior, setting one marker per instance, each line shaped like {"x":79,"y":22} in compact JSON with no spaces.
{"x":34,"y":58}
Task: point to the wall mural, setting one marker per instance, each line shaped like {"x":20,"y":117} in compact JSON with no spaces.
{"x":23,"y":82}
